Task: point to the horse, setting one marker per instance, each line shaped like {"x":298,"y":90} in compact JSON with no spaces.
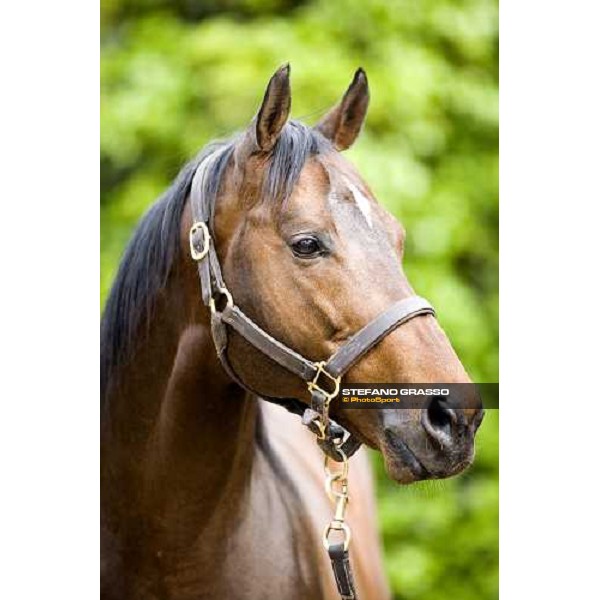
{"x":208,"y":490}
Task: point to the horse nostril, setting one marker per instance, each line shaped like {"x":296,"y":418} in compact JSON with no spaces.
{"x":438,"y":418}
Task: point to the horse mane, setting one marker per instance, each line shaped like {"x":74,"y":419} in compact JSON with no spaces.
{"x":151,"y":253}
{"x":144,"y":269}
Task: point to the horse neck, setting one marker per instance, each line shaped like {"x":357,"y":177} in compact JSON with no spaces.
{"x":177,"y":434}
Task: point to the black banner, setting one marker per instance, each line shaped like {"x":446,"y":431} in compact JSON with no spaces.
{"x":419,"y":395}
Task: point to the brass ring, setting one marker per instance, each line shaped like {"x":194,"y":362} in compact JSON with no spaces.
{"x":225,"y":292}
{"x":337,"y":526}
{"x":345,"y":465}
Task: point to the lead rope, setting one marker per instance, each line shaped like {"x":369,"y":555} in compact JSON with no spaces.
{"x":330,"y":441}
{"x":336,"y":486}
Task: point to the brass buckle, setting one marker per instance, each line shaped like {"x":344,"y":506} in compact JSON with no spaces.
{"x":197,"y":256}
{"x":225,"y":292}
{"x":314,"y":385}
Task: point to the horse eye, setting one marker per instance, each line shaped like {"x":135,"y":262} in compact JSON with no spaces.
{"x":306,"y":247}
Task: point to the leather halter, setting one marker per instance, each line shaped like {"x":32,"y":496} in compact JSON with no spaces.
{"x":322,"y":378}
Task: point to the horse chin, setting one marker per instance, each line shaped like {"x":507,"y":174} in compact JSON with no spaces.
{"x":397,"y":471}
{"x":404,"y":466}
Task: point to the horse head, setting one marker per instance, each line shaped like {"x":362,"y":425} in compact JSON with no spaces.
{"x":311,"y":256}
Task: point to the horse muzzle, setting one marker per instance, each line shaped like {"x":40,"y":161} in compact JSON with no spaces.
{"x":430,"y":443}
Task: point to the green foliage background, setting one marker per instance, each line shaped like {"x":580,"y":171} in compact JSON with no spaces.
{"x":178,"y":73}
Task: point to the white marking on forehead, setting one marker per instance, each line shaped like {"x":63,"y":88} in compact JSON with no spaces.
{"x":362,"y":202}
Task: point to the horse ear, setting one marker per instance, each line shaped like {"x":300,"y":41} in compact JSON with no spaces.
{"x":274,"y":110}
{"x":342,"y":123}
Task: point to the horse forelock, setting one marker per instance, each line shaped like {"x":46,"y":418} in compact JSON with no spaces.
{"x":296,"y":144}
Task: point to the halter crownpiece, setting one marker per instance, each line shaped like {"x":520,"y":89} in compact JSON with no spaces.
{"x":322,"y":378}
